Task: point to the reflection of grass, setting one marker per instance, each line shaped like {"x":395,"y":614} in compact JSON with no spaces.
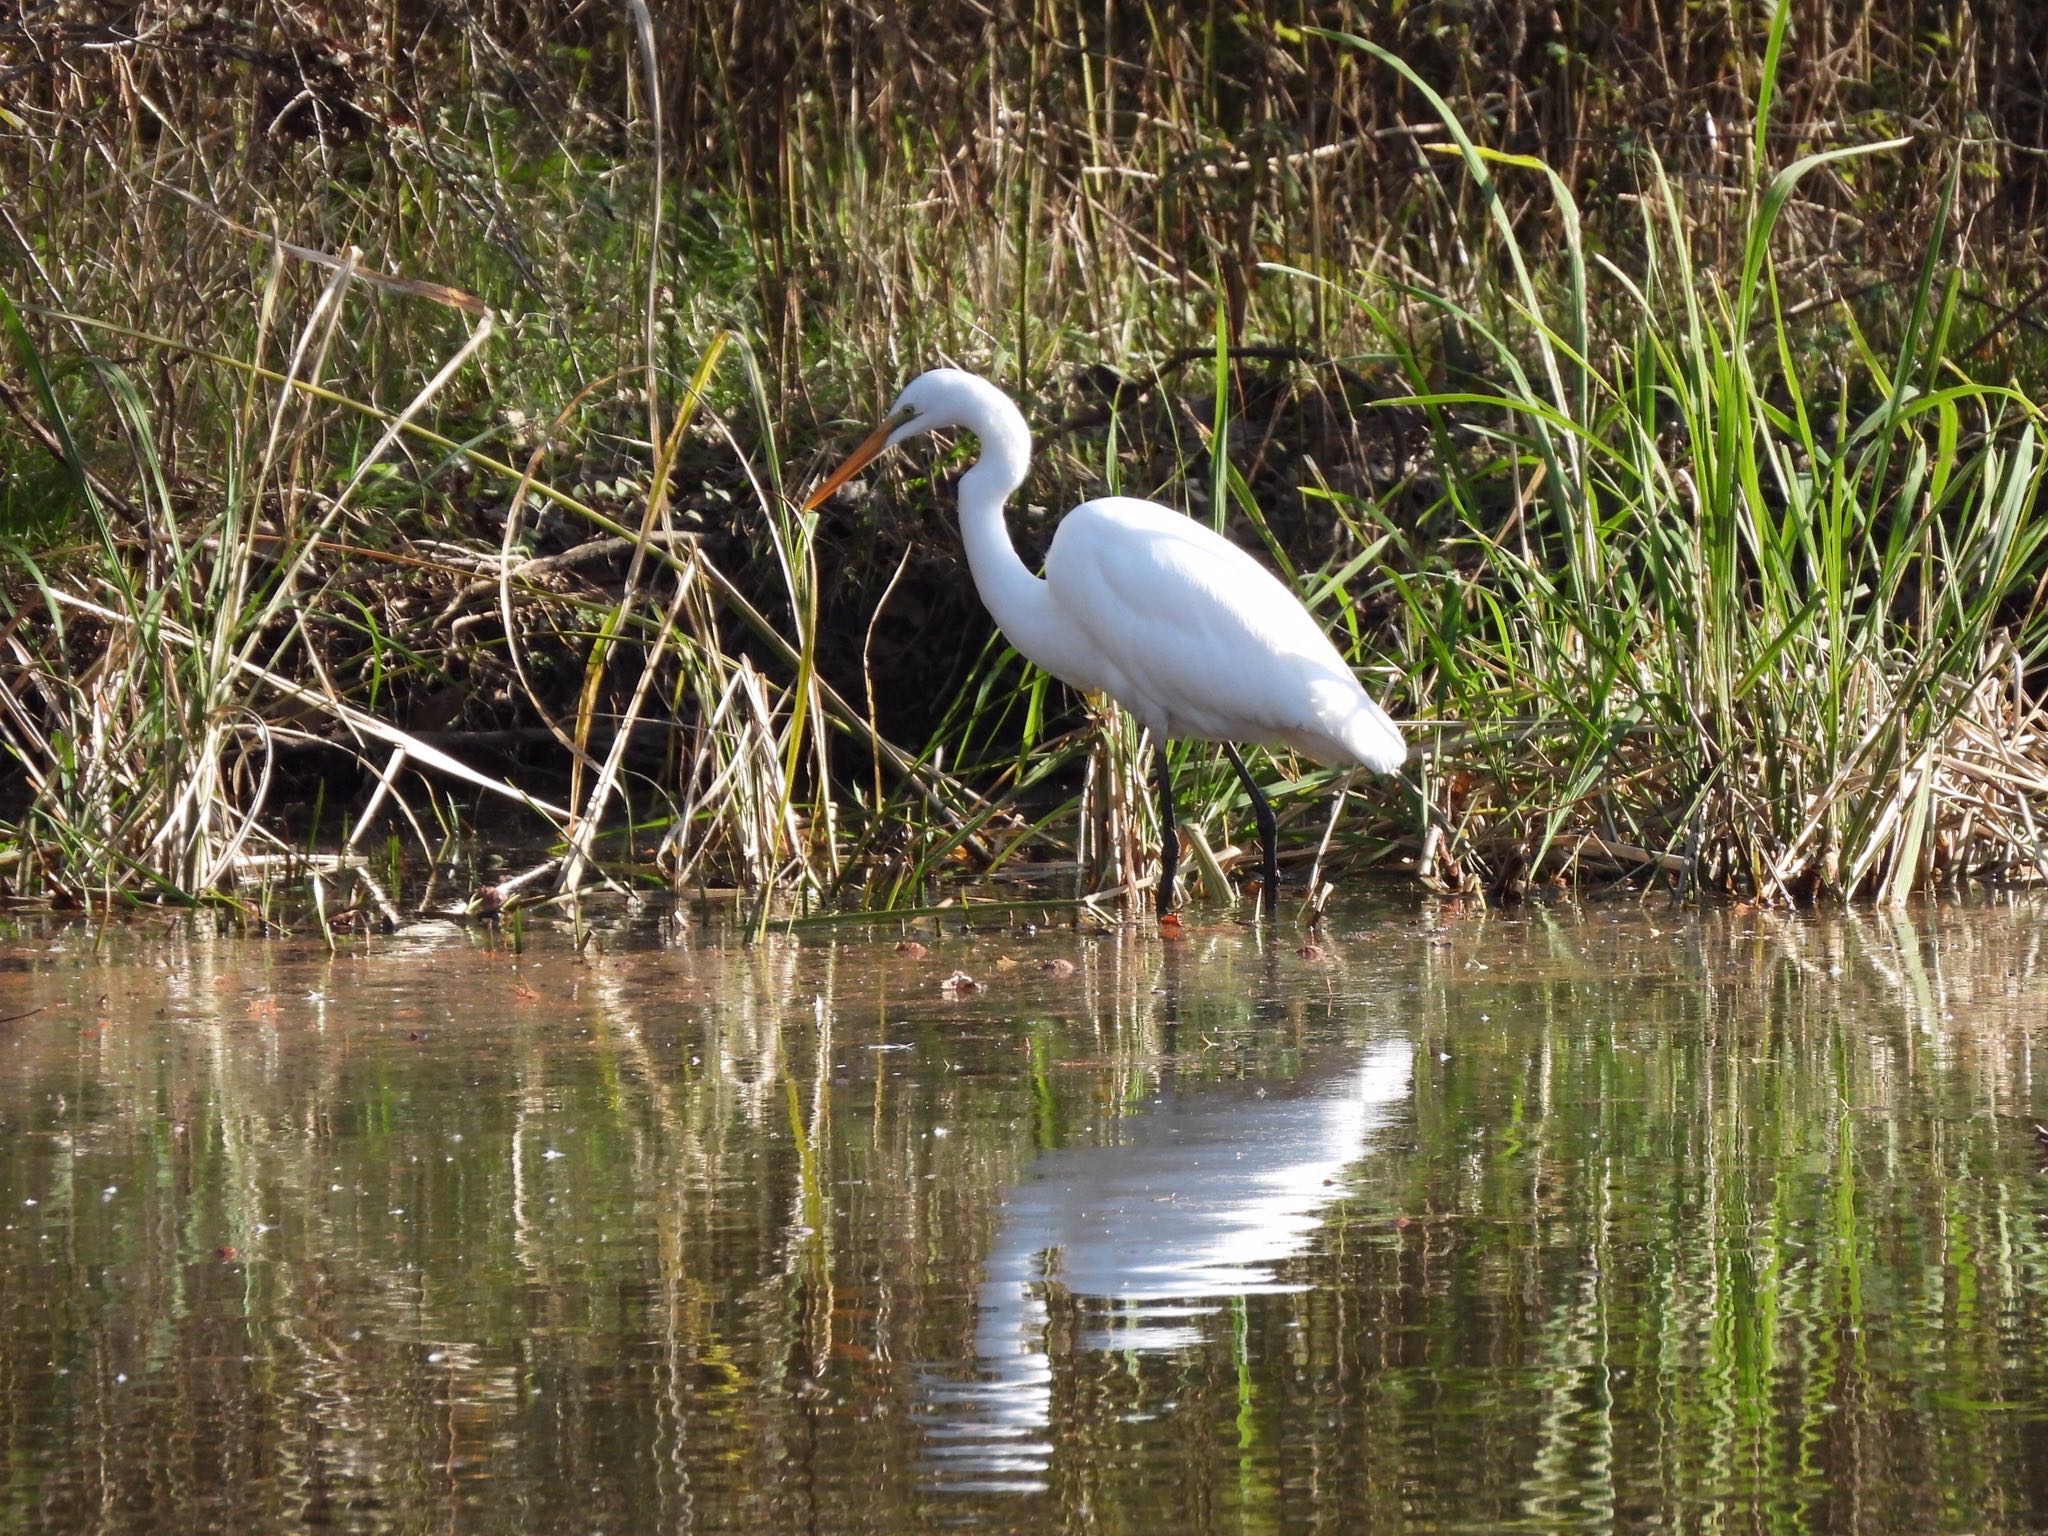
{"x":1691,"y":563}
{"x":1749,"y":1226}
{"x":1760,"y":1256}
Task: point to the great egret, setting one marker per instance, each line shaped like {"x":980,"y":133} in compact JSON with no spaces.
{"x":1177,"y":624}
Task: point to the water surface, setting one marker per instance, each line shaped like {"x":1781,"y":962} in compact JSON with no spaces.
{"x":1593,"y":1217}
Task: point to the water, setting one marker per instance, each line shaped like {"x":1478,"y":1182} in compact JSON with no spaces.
{"x":1587,"y":1218}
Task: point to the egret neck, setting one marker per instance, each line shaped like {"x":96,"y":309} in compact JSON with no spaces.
{"x":1018,"y":601}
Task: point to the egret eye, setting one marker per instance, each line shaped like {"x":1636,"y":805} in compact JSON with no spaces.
{"x":907,"y":423}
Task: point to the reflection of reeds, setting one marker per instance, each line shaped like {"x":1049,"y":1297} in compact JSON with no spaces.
{"x":1707,"y":1174}
{"x":1686,"y":1215}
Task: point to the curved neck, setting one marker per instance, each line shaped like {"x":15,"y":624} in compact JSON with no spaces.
{"x":1015,"y":598}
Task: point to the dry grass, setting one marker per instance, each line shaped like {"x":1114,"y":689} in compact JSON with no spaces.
{"x":372,"y":385}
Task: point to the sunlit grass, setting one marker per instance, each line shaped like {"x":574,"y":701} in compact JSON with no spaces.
{"x":1771,"y":629}
{"x":1687,"y":566}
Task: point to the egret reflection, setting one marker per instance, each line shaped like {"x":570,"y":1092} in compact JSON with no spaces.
{"x":1205,"y":1193}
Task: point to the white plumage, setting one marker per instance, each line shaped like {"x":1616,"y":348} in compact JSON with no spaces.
{"x":1197,"y":639}
{"x":1177,"y":624}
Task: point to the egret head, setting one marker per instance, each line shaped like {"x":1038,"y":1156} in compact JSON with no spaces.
{"x":931,"y":402}
{"x":943,"y":397}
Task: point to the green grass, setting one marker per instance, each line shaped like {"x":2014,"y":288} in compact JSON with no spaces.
{"x":1778,"y":632}
{"x":1699,"y":556}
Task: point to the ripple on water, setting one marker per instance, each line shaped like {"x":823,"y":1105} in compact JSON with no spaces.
{"x":1604,"y":1218}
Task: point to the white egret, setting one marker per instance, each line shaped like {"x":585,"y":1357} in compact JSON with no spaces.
{"x":1177,"y":624}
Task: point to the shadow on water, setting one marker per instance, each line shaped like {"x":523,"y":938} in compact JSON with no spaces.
{"x":1592,"y":1218}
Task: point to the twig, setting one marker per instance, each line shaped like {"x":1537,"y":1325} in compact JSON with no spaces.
{"x":440,"y":293}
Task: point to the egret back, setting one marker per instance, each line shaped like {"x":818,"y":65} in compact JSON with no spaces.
{"x":1197,"y":639}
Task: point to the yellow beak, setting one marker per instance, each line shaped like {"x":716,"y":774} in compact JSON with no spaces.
{"x":856,"y":461}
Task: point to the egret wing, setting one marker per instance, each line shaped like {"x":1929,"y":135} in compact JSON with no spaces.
{"x":1202,"y":639}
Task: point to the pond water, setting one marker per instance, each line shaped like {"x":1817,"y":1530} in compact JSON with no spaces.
{"x":1584,"y":1217}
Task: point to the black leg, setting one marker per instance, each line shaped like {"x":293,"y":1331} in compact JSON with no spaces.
{"x":1269,"y":834}
{"x":1169,"y":839}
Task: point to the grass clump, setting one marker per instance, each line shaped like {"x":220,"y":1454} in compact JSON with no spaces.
{"x":1768,"y":633}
